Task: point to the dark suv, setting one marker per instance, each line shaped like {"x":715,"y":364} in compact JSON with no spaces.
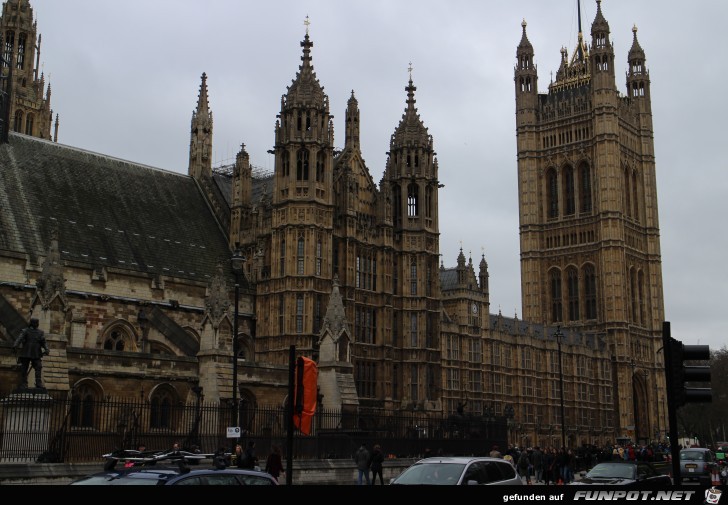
{"x":130,"y":468}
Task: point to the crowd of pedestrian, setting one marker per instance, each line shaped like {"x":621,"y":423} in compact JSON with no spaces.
{"x":552,"y":465}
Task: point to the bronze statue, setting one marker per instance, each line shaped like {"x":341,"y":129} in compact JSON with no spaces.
{"x":32,"y":344}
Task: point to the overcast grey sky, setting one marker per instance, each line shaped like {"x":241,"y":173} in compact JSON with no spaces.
{"x":125,"y":77}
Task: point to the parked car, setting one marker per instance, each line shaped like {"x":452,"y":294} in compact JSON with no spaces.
{"x":454,"y":471}
{"x":173,"y":469}
{"x":641,"y":474}
{"x":696,"y":463}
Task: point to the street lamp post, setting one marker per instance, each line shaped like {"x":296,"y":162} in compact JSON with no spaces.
{"x":558,"y":335}
{"x":237,"y":265}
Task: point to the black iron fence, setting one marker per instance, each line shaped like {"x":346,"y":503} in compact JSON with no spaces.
{"x":57,"y":429}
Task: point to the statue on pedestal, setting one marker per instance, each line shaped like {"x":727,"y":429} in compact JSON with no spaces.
{"x":32,"y":345}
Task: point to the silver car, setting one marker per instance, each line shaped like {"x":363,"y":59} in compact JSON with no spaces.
{"x":696,"y":463}
{"x":458,"y":470}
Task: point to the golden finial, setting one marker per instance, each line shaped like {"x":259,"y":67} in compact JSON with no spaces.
{"x":306,"y":22}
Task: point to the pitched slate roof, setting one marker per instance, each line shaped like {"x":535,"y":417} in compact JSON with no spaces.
{"x":109,"y":212}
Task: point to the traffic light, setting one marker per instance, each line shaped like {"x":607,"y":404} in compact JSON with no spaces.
{"x":683,"y":374}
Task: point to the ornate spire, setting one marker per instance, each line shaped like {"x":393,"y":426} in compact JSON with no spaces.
{"x":411,"y":130}
{"x":636,"y":52}
{"x":201,"y":135}
{"x":335,"y":319}
{"x":305,"y":86}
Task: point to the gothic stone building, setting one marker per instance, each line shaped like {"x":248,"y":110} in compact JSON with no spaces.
{"x":30,"y":111}
{"x":129,"y":270}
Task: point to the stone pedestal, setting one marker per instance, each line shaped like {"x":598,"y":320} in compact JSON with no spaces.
{"x":25,"y":425}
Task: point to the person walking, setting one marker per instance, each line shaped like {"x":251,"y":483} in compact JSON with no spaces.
{"x":239,"y":456}
{"x":537,"y":461}
{"x":495,"y":453}
{"x":363,"y":461}
{"x":523,"y":464}
{"x":548,"y":466}
{"x":377,"y":465}
{"x":274,"y":463}
{"x":251,"y":460}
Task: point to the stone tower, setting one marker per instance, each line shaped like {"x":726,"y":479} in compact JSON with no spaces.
{"x":590,"y":248}
{"x":30,"y":99}
{"x":297,"y":243}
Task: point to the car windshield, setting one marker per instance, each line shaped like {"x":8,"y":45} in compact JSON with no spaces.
{"x":692,"y":455}
{"x":611,"y":471}
{"x":436,"y":474}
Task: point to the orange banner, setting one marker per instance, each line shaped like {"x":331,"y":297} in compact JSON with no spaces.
{"x":306,"y":394}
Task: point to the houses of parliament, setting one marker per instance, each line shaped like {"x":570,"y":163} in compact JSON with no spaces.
{"x":134,"y":271}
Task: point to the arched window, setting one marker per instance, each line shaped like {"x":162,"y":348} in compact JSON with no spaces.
{"x":627,"y":193}
{"x":397,"y":205}
{"x":302,"y":165}
{"x":641,"y":297}
{"x":429,"y":197}
{"x":282,"y":258}
{"x":556,"y":301}
{"x":413,"y":277}
{"x":320,"y":166}
{"x":162,"y":407}
{"x":572,"y":279}
{"x":585,"y":192}
{"x":18,"y":123}
{"x":633,"y":294}
{"x":590,"y":292}
{"x":319,"y":257}
{"x":8,"y":48}
{"x":84,"y":398}
{"x":29,"y":124}
{"x":569,"y":196}
{"x":553,"y":193}
{"x":20,"y":63}
{"x":299,"y":313}
{"x":286,"y":162}
{"x":300,"y":256}
{"x":117,"y":338}
{"x":413,"y":200}
{"x":635,"y":200}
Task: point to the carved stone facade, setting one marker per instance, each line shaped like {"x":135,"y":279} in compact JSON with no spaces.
{"x":589,"y":226}
{"x":30,"y":109}
{"x":129,"y":268}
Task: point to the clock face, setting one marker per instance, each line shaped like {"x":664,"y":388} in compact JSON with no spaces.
{"x":475,"y":308}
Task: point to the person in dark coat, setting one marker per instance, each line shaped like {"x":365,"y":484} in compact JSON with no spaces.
{"x":274,"y":463}
{"x":251,"y":459}
{"x":377,"y":465}
{"x":363,"y":461}
{"x":32,"y":345}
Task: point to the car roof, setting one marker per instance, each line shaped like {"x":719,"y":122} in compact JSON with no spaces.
{"x":463,"y":460}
